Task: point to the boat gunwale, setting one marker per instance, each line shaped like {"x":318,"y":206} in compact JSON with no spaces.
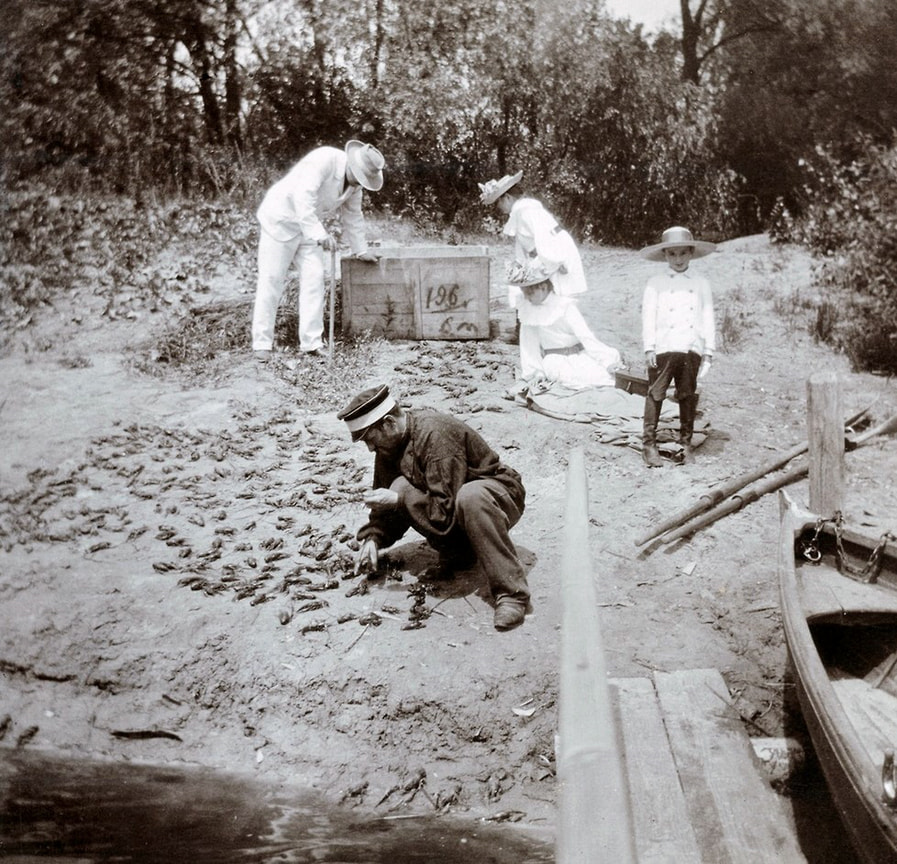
{"x":828,"y":714}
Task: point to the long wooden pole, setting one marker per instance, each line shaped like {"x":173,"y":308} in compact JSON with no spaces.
{"x":595,"y":815}
{"x":730,"y":487}
{"x":736,"y":502}
{"x":332,"y":300}
{"x":886,"y":427}
{"x":720,"y":493}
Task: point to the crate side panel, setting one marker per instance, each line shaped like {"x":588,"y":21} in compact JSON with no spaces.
{"x":454,"y":298}
{"x":381,"y":298}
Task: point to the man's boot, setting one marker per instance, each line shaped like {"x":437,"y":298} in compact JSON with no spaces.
{"x":649,"y":433}
{"x":687,"y":409}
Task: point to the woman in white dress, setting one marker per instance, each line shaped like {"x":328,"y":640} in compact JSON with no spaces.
{"x":556,"y":343}
{"x":538,"y":238}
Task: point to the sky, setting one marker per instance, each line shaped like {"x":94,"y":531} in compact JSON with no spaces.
{"x":653,"y":14}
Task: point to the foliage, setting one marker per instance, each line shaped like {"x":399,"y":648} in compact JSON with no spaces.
{"x":636,"y":150}
{"x":820,"y":73}
{"x":849,"y":217}
{"x":120,"y":96}
{"x":620,"y":135}
{"x":54,"y":248}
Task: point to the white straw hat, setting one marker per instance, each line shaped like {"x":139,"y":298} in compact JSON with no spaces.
{"x":531,"y":273}
{"x":492,"y":190}
{"x":366,"y":163}
{"x":674,"y":238}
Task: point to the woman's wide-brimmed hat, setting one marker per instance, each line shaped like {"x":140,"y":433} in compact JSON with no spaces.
{"x":367,"y":164}
{"x":492,"y":190}
{"x":677,"y":237}
{"x":525,"y":275}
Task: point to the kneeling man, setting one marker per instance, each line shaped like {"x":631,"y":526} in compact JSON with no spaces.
{"x":436,"y":474}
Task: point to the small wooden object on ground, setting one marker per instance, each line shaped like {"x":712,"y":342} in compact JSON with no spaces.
{"x":631,"y":383}
{"x":419,"y":292}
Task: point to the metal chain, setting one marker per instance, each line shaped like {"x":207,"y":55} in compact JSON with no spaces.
{"x":810,"y":548}
{"x":869,"y":572}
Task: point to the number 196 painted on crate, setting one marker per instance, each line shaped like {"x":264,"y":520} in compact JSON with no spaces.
{"x":445,"y":297}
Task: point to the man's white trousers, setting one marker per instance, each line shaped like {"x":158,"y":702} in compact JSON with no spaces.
{"x":274,"y":259}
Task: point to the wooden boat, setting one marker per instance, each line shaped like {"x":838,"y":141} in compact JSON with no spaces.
{"x":839,"y":610}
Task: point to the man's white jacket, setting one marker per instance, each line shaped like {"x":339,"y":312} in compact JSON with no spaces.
{"x":315,"y":188}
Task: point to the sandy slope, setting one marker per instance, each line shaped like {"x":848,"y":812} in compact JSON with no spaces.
{"x":165,"y":545}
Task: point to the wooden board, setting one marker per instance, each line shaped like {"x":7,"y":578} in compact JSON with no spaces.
{"x":873,"y":714}
{"x":381,"y":298}
{"x":735,"y":814}
{"x":663,"y":832}
{"x":454,"y":298}
{"x":824,"y":592}
{"x":418,"y":293}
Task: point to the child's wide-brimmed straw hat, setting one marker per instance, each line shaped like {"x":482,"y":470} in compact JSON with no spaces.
{"x":674,"y":238}
{"x":492,"y":190}
{"x":525,"y":275}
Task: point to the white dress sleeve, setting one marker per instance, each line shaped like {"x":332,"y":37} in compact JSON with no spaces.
{"x":530,"y":351}
{"x":549,"y":240}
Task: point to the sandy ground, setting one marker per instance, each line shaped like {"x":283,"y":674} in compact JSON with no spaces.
{"x":175,"y":550}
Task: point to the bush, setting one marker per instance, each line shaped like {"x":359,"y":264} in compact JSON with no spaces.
{"x":850,"y":220}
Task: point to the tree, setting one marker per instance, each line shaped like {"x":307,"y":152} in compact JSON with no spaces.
{"x":712,"y":26}
{"x":824,"y":76}
{"x":121,"y":88}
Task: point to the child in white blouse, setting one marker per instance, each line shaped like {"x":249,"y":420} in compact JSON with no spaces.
{"x":556,"y":343}
{"x":678,"y":333}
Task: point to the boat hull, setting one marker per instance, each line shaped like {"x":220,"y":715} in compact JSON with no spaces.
{"x":842,"y":637}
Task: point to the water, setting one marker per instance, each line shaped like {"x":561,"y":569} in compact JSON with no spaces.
{"x":54,"y":810}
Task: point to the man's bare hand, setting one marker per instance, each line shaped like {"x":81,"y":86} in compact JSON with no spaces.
{"x":651,"y":359}
{"x":381,"y":498}
{"x":369,"y":257}
{"x":368,"y":558}
{"x":328,"y":243}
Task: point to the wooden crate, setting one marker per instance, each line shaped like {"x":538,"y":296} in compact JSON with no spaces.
{"x":418,"y":292}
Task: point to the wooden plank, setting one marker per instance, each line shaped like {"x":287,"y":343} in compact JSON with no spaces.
{"x":663,"y":832}
{"x":454,"y":298}
{"x":594,"y":813}
{"x":381,"y":298}
{"x":419,"y":293}
{"x":735,"y":814}
{"x":872,"y":712}
{"x":824,"y":592}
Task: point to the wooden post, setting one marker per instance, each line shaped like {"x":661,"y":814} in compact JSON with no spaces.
{"x":595,"y":816}
{"x":825,"y":435}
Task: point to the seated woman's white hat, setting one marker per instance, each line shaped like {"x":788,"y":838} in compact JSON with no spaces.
{"x":492,"y":190}
{"x":677,"y":237}
{"x":531,"y":273}
{"x":366,"y":163}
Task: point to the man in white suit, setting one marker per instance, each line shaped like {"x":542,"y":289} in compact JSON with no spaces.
{"x":325,"y":183}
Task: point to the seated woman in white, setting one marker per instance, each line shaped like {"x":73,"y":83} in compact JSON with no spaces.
{"x":556,"y":343}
